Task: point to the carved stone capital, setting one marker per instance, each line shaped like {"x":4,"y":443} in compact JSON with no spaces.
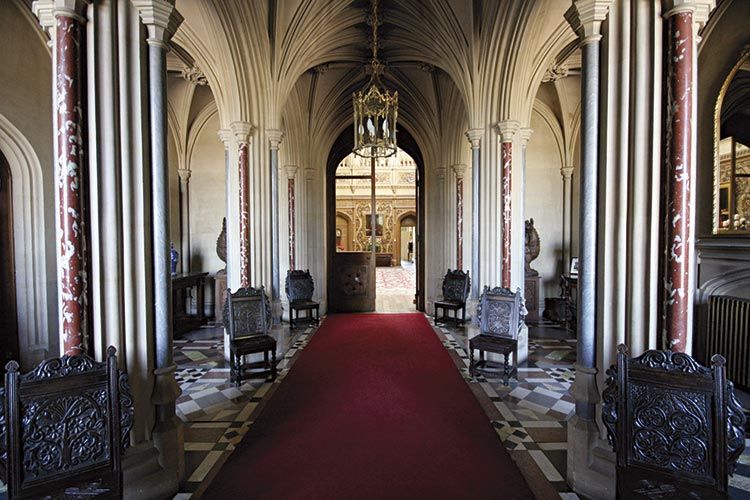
{"x":460,"y":171}
{"x":474,"y":135}
{"x":225,"y":136}
{"x":526,"y":134}
{"x":184,"y":174}
{"x":440,"y":172}
{"x":242,"y":131}
{"x":274,"y":138}
{"x":508,"y":129}
{"x":291,"y":171}
{"x":194,"y":75}
{"x":566,"y":172}
{"x":48,"y":10}
{"x":161,"y":18}
{"x":586,"y":17}
{"x":555,"y":72}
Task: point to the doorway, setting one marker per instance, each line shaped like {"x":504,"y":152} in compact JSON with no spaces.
{"x":8,"y":312}
{"x":375,"y":249}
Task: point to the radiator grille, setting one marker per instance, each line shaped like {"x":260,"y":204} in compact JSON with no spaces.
{"x":729,"y":335}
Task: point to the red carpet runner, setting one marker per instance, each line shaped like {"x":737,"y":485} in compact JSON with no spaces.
{"x":374,"y":407}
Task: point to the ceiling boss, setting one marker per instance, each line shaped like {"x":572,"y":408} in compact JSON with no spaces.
{"x":375,"y":107}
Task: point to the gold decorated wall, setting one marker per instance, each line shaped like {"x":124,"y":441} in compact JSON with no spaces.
{"x":395,"y":195}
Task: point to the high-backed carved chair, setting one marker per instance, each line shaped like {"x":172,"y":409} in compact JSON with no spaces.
{"x":64,"y":428}
{"x":676,"y":426}
{"x":299,"y":290}
{"x":247,"y":316}
{"x":500,"y":315}
{"x":456,"y":286}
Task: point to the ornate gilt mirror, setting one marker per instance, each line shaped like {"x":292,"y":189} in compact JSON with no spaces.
{"x":732,"y":152}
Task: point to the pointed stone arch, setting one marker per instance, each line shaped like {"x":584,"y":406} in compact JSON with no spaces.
{"x":29,"y":245}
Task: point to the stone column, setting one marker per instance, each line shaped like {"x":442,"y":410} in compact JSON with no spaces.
{"x":586,"y":16}
{"x":459,"y":170}
{"x":567,"y":222}
{"x":70,"y":173}
{"x":682,"y":18}
{"x":242,"y":132}
{"x":226,"y":137}
{"x":274,"y":140}
{"x":507,"y":130}
{"x":291,"y":171}
{"x":475,"y":138}
{"x":161,"y":19}
{"x":184,"y":174}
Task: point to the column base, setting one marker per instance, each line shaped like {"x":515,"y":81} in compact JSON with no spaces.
{"x":168,"y":432}
{"x":143,"y":476}
{"x":591,"y":470}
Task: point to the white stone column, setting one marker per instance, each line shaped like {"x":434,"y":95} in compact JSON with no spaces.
{"x":161,"y":19}
{"x":475,"y":138}
{"x":226,"y":136}
{"x":567,"y":216}
{"x":184,"y":174}
{"x":274,"y":140}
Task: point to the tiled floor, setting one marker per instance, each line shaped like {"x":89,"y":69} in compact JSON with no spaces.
{"x":529,"y":414}
{"x":216,"y":413}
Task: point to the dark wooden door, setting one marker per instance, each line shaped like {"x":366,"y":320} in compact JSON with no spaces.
{"x":8,"y":318}
{"x":353,"y":288}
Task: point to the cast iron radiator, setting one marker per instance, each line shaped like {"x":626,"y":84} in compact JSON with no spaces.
{"x":729,"y":335}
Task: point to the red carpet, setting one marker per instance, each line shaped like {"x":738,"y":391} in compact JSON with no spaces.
{"x":374,"y":407}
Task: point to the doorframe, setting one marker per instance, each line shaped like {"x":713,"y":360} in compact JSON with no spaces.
{"x":340,"y":150}
{"x":399,"y":226}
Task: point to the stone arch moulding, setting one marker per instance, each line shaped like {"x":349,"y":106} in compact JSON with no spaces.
{"x":28,"y":246}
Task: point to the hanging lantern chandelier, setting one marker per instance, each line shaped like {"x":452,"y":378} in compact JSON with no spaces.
{"x":375,"y":108}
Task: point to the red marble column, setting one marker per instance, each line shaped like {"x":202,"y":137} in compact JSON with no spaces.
{"x":505,"y":193}
{"x":244,"y":182}
{"x":460,"y":222}
{"x":292,"y":229}
{"x":69,"y":167}
{"x":678,"y":180}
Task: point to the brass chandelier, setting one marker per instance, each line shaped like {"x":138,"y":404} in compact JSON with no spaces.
{"x":375,"y":108}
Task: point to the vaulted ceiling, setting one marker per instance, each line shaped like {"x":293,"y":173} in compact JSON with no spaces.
{"x":256,"y":53}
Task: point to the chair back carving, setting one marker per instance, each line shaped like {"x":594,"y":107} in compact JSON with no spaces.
{"x":456,"y":285}
{"x":63,"y":428}
{"x":299,"y":286}
{"x":500,"y":312}
{"x":666,"y":413}
{"x":247,"y":312}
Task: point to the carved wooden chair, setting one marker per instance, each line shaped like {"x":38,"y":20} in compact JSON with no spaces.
{"x":500,"y":315}
{"x":299,"y":290}
{"x":456,"y":286}
{"x":675,"y":425}
{"x":247,"y":317}
{"x":64,"y":427}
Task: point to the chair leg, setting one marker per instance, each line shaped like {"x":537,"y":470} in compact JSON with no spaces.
{"x":463,"y":315}
{"x":471,"y":361}
{"x":273,"y":364}
{"x":238,"y":379}
{"x":506,"y":370}
{"x":437,"y":320}
{"x":291,"y":319}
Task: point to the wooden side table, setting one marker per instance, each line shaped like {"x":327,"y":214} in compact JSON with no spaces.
{"x":182,"y":321}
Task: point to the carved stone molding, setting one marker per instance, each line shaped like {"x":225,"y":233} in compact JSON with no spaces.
{"x":586,"y":17}
{"x":242,"y":131}
{"x":161,"y":18}
{"x":566,"y":172}
{"x":291,"y":171}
